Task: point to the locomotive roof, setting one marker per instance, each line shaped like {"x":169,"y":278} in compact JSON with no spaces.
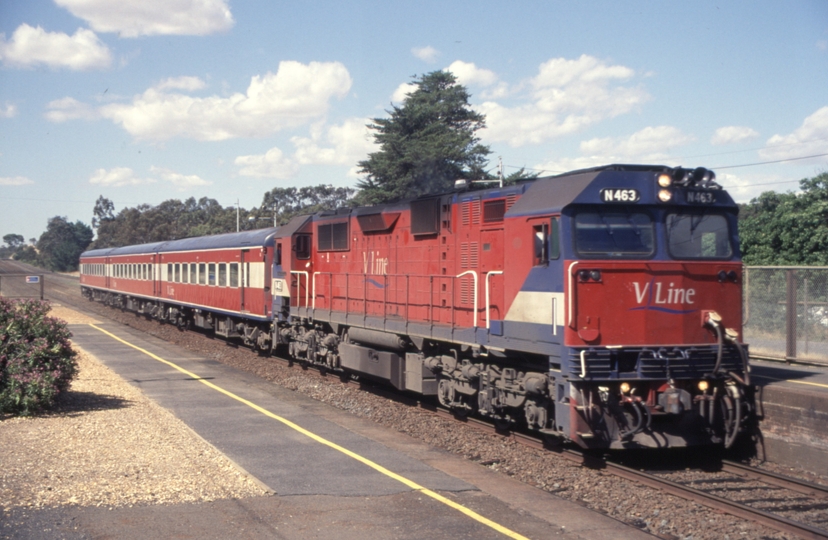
{"x":554,"y":193}
{"x":244,"y":239}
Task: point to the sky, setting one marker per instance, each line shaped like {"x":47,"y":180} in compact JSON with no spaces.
{"x":142,"y":101}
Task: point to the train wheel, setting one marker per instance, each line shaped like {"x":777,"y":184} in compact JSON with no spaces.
{"x":445,"y":392}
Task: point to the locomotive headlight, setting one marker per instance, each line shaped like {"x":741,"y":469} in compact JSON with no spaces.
{"x":625,"y":387}
{"x":595,"y":275}
{"x":664,"y":180}
{"x":664,"y":195}
{"x":703,"y":386}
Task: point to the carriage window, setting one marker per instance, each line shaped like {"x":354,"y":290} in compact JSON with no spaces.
{"x":211,"y":274}
{"x":234,"y":274}
{"x":691,"y":236}
{"x":614,"y":235}
{"x":202,"y":274}
{"x":222,"y":274}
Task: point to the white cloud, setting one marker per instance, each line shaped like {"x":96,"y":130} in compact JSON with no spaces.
{"x":822,"y":45}
{"x":118,"y":176}
{"x":649,"y":145}
{"x":733,"y":134}
{"x":132,"y":18}
{"x":566,"y":96}
{"x":343,"y":144}
{"x":644,"y":145}
{"x":808,"y":139}
{"x":189,"y":84}
{"x":469,"y":74}
{"x":64,"y":109}
{"x":181,"y":181}
{"x":295,"y":95}
{"x":427,"y":54}
{"x":31,"y":47}
{"x":402,"y":91}
{"x":124,"y":176}
{"x":8,"y":111}
{"x":272,"y":164}
{"x":14,"y":181}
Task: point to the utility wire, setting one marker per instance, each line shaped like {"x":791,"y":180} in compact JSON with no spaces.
{"x":769,"y":162}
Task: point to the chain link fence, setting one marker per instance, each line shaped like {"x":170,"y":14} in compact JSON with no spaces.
{"x":786,"y":312}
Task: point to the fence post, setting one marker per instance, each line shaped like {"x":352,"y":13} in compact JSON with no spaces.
{"x":790,"y":315}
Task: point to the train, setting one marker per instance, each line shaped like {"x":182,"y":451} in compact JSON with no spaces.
{"x":601,"y":307}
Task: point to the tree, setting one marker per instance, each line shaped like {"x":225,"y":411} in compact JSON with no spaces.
{"x":787,"y":228}
{"x":281,"y":204}
{"x":104,"y":211}
{"x":171,"y":220}
{"x":14,"y":242}
{"x":61,"y":245}
{"x":426,"y":144}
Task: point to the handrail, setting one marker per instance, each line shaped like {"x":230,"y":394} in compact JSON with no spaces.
{"x":299,"y":282}
{"x":313,"y":286}
{"x":473,"y":273}
{"x":570,"y":293}
{"x":488,"y":314}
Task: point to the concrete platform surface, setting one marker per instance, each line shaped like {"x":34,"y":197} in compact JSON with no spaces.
{"x":320,"y":492}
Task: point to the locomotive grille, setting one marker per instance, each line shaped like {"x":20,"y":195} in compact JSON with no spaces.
{"x":465,"y":291}
{"x":470,"y":212}
{"x":655,"y":363}
{"x":469,"y":253}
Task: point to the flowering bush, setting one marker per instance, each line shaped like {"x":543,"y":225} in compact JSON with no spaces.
{"x":37,"y":362}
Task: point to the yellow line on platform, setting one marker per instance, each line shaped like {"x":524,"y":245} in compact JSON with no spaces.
{"x":377,"y":467}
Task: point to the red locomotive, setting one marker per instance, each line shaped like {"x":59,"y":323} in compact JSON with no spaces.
{"x":601,"y":306}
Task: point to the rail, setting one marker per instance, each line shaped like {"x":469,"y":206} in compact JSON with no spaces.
{"x":401,"y":295}
{"x":300,"y":273}
{"x":488,"y":302}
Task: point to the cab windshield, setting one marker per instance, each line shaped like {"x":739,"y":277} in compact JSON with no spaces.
{"x":614,"y":235}
{"x":696,"y":236}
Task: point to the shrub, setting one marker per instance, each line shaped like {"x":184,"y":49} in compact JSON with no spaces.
{"x":37,"y":362}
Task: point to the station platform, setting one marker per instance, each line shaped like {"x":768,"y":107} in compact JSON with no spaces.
{"x":335,"y":475}
{"x":793,"y":403}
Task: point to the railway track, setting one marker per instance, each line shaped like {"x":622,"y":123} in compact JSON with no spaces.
{"x":713,"y":490}
{"x":808,"y":496}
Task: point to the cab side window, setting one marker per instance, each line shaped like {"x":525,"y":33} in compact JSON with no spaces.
{"x":302,"y":246}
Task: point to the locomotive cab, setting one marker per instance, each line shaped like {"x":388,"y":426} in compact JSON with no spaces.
{"x":651,"y":354}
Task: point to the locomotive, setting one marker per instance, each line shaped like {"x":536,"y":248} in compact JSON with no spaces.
{"x":601,"y":306}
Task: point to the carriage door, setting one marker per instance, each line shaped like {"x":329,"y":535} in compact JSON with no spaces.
{"x":155,"y":269}
{"x":245,"y":276}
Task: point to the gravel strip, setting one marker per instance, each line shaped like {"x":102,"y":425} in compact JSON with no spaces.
{"x":108,"y":445}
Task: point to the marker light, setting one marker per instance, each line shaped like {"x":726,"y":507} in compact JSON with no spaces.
{"x":664,"y":195}
{"x":703,"y":386}
{"x":625,"y":387}
{"x":664,"y":180}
